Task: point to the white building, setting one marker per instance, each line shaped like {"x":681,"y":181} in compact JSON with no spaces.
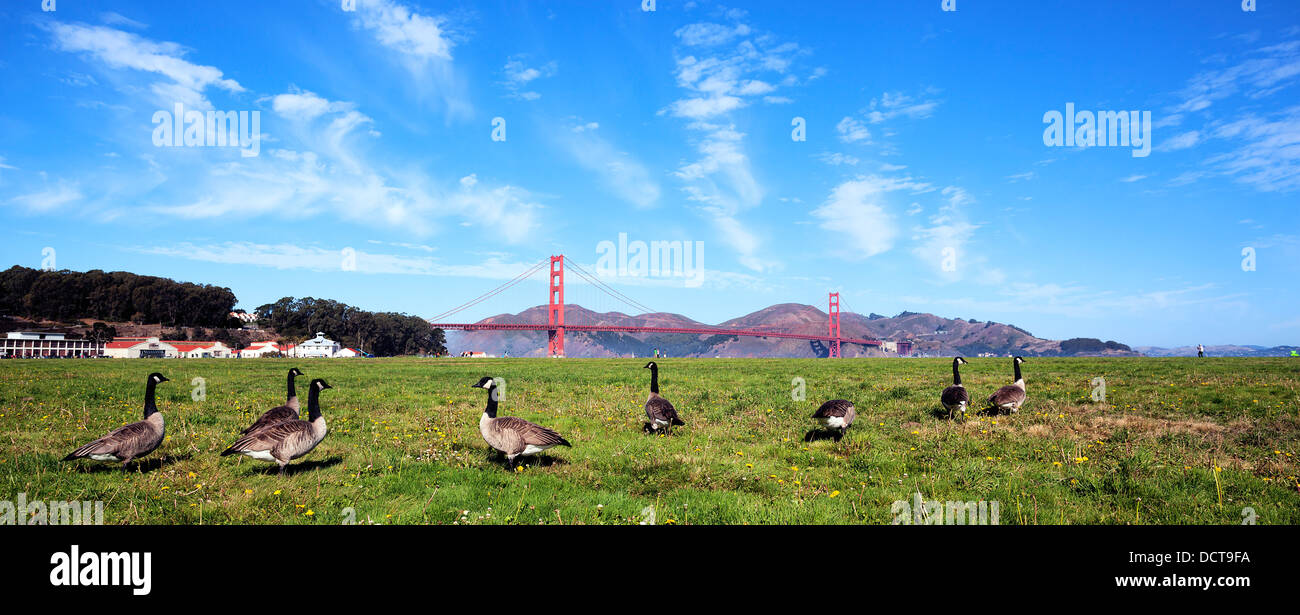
{"x":39,"y":344}
{"x":318,"y":346}
{"x":152,"y":347}
{"x":148,"y":348}
{"x":260,"y":349}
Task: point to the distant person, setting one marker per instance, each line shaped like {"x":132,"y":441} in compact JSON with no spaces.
{"x":1200,"y":350}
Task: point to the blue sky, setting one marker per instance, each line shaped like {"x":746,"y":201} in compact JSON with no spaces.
{"x":923,"y":182}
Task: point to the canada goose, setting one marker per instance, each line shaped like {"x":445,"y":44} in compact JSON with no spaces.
{"x":510,"y":435}
{"x":287,"y":440}
{"x":836,"y":414}
{"x":1010,"y":397}
{"x":287,"y":412}
{"x":130,"y":441}
{"x":661,"y":412}
{"x":955,"y":398}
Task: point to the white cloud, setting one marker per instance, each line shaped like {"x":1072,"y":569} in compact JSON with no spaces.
{"x":423,"y":45}
{"x":703,"y":108}
{"x":837,"y":159}
{"x":401,"y":29}
{"x":303,"y":105}
{"x":184,"y":82}
{"x":944,"y":240}
{"x":709,"y":34}
{"x":519,"y":75}
{"x":896,"y":104}
{"x":856,"y":209}
{"x":621,"y":173}
{"x":115,"y":19}
{"x":728,"y":68}
{"x":852,"y":130}
{"x":1133,"y":178}
{"x":1181,"y":141}
{"x":49,"y":199}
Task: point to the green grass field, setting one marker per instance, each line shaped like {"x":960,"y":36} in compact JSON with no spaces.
{"x":1177,"y":441}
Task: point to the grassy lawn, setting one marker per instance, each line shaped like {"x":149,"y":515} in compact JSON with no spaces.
{"x":1177,"y":441}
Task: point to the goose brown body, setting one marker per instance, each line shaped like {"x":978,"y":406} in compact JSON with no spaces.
{"x":955,"y":398}
{"x":133,"y":440}
{"x":285,"y":441}
{"x":658,"y":409}
{"x":513,"y":436}
{"x":1009,"y":398}
{"x":836,"y":414}
{"x":287,"y":412}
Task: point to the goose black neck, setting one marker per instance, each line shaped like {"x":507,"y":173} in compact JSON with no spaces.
{"x":149,"y":406}
{"x":313,"y":403}
{"x":654,"y":379}
{"x":292,"y":391}
{"x":491,"y":409}
{"x":1017,"y":371}
{"x":956,"y":374}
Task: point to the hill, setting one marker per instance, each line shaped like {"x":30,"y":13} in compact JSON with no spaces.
{"x":930,"y":335}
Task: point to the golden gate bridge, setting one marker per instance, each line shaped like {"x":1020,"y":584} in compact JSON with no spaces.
{"x":555,"y":326}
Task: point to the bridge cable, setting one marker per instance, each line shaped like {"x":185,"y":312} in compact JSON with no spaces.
{"x":607,"y":289}
{"x":496,"y":291}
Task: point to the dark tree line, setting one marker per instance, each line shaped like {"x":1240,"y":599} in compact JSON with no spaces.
{"x":1089,"y":344}
{"x":117,"y":296}
{"x":378,"y":333}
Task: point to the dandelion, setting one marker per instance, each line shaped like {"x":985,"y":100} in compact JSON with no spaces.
{"x":835,"y":493}
{"x":310,"y":513}
{"x":248,"y":492}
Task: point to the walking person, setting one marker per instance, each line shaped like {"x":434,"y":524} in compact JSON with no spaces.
{"x":1200,"y":350}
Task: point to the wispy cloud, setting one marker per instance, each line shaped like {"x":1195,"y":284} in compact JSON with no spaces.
{"x":48,"y":199}
{"x":182,"y":81}
{"x":891,"y":105}
{"x":620,"y":172}
{"x":423,"y":45}
{"x":857,"y":210}
{"x":853,"y":130}
{"x":725,"y":68}
{"x":519,"y":76}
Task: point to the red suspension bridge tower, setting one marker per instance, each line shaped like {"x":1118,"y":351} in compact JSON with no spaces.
{"x":833,"y":325}
{"x":555,"y":308}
